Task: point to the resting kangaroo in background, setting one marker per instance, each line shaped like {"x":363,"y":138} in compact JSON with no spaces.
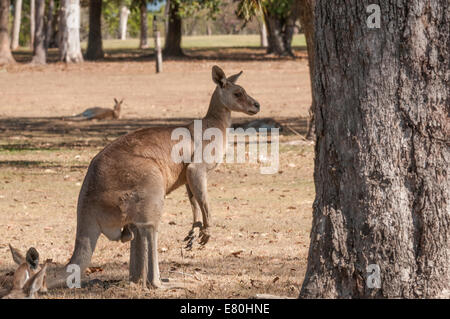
{"x":28,"y":278}
{"x":123,"y":192}
{"x":98,"y":113}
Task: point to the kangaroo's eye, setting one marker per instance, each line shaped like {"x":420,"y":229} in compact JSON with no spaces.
{"x":238,"y":94}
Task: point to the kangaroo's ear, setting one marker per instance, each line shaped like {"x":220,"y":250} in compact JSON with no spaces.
{"x":35,"y":283}
{"x":17,"y":256}
{"x":234,"y":77}
{"x":115,"y":101}
{"x":218,"y":76}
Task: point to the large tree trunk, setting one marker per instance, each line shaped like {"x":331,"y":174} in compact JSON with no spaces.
{"x":306,"y":15}
{"x":172,"y":46}
{"x":123,"y":21}
{"x":32,"y":22}
{"x":5,"y":50}
{"x":143,"y":44}
{"x":39,"y":52}
{"x":49,"y":23}
{"x":382,"y":154}
{"x":16,"y":25}
{"x":95,"y":45}
{"x":69,"y":30}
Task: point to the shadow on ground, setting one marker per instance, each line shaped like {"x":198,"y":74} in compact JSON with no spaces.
{"x":47,"y":133}
{"x":143,"y":55}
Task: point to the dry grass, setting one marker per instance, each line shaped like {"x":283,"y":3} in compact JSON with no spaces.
{"x":261,"y":223}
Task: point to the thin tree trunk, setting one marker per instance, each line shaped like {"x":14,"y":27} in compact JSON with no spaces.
{"x":172,"y":46}
{"x":262,"y":32}
{"x":95,"y":45}
{"x":143,"y":44}
{"x":381,"y":222}
{"x":306,"y":10}
{"x":16,"y":26}
{"x":69,"y":30}
{"x":32,"y":22}
{"x":49,"y":23}
{"x":5,"y":50}
{"x":124,"y":12}
{"x":275,"y":34}
{"x":290,"y":27}
{"x":39,"y":52}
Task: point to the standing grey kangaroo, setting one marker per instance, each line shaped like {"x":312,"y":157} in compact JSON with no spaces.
{"x":123,"y":192}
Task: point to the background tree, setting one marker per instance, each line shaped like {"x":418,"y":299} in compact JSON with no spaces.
{"x":16,"y":25}
{"x":69,"y":46}
{"x":179,"y":9}
{"x":49,"y":23}
{"x":39,"y":51}
{"x":306,"y":15}
{"x":381,"y":164}
{"x":123,"y":20}
{"x":95,"y":45}
{"x":5,"y":50}
{"x":143,"y":42}
{"x":280,"y":17}
{"x":172,"y":46}
{"x":32,"y":22}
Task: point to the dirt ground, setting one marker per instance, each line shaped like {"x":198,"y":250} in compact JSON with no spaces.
{"x":260,"y":236}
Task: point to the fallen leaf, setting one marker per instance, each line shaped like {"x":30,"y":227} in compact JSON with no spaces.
{"x":237,"y":253}
{"x":91,"y":270}
{"x":275,"y":279}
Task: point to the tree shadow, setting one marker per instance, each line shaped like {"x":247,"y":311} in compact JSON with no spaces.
{"x":238,"y":53}
{"x":50,"y":133}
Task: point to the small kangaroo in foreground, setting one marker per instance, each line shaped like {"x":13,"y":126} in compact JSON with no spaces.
{"x":28,"y":278}
{"x":98,"y":113}
{"x":122,"y":195}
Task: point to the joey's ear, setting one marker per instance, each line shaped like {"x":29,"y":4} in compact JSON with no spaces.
{"x":218,"y":76}
{"x":17,"y":256}
{"x":35,"y":283}
{"x":115,"y":101}
{"x":234,"y":77}
{"x":32,"y":258}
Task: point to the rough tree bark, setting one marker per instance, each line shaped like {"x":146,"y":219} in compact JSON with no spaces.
{"x":95,"y":45}
{"x":16,"y":25}
{"x":124,"y":13}
{"x":32,"y":22}
{"x":382,"y":153}
{"x":172,"y":46}
{"x":5,"y":50}
{"x":143,"y":43}
{"x":69,"y":31}
{"x":306,"y":15}
{"x":39,"y":51}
